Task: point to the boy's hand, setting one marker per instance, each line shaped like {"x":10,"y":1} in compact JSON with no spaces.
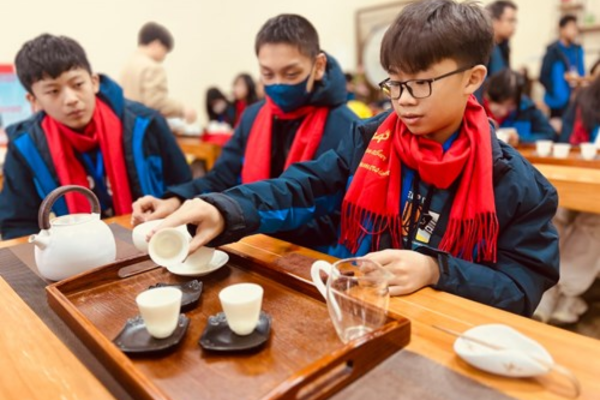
{"x":207,"y":217}
{"x":513,"y":138}
{"x":149,"y":208}
{"x":412,"y":271}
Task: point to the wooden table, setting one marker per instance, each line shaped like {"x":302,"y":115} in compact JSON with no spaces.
{"x":34,"y":363}
{"x":573,"y":160}
{"x":576,"y":180}
{"x":429,"y":307}
{"x":207,"y":152}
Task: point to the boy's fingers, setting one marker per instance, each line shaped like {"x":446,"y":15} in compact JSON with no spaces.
{"x":383,"y":257}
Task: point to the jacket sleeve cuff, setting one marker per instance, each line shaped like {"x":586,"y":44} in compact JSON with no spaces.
{"x":442,"y":259}
{"x":241,"y":219}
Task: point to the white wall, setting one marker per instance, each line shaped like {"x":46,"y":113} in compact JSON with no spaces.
{"x":214,"y":38}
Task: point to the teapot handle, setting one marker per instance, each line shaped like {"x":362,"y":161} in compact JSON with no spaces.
{"x":48,"y":203}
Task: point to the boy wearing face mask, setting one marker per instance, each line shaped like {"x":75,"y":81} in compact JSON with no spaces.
{"x":303,"y":116}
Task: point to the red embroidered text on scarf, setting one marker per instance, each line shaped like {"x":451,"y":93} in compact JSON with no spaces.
{"x":257,"y":158}
{"x":104,"y":130}
{"x":372,"y":204}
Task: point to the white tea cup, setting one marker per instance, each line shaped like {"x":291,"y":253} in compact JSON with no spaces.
{"x":160,"y":308}
{"x":141,"y":231}
{"x":561,"y":150}
{"x":543,"y":147}
{"x":504,"y":134}
{"x":588,"y":151}
{"x":241,"y":304}
{"x":169,"y":246}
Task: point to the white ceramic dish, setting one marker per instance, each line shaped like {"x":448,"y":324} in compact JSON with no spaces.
{"x":520,"y":359}
{"x":219,"y":259}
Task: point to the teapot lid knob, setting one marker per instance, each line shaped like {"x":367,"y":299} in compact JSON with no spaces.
{"x":48,"y":203}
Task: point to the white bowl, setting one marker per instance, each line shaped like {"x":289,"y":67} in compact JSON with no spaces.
{"x":519,"y":359}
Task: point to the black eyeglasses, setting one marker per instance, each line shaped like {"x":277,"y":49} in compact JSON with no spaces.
{"x":417,"y":88}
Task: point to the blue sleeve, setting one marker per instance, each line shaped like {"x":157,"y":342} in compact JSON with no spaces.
{"x":19,"y":200}
{"x":580,"y":61}
{"x":528,"y":258}
{"x":174,"y":165}
{"x":227,"y":170}
{"x":540,"y":127}
{"x":304,"y":192}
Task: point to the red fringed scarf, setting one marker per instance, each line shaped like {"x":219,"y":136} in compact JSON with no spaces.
{"x":579,"y":134}
{"x":104,"y":130}
{"x":257,"y":158}
{"x":372,"y":204}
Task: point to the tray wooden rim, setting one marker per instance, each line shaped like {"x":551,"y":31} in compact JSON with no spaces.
{"x":397,"y":331}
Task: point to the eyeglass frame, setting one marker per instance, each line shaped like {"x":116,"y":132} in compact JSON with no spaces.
{"x":383,"y":85}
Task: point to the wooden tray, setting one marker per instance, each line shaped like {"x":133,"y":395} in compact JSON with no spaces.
{"x":303,"y":359}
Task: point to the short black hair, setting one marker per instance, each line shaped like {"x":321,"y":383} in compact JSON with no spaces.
{"x":496,"y":9}
{"x":49,"y":56}
{"x":565,"y":19}
{"x":505,"y":85}
{"x":428,"y":31}
{"x":152,"y":31}
{"x":289,"y":29}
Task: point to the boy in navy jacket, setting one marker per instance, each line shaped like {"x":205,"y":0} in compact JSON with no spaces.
{"x":428,"y":192}
{"x":85,"y":134}
{"x":510,"y":108}
{"x":304,"y":115}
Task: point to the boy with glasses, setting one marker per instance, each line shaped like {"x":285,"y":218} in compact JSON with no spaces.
{"x":429,"y":192}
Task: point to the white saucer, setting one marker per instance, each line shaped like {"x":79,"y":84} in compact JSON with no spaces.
{"x":517,"y":360}
{"x":219,"y":259}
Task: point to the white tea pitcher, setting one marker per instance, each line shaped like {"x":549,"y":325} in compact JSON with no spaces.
{"x":71,"y":244}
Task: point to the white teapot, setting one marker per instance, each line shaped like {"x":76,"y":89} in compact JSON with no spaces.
{"x":71,"y":244}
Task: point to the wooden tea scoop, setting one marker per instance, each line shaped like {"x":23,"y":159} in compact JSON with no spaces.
{"x":551,"y":366}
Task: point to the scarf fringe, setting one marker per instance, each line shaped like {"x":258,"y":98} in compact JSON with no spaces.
{"x":477,"y":235}
{"x":358,"y":223}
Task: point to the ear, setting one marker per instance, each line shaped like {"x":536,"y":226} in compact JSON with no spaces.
{"x":35,"y":107}
{"x":475,"y":79}
{"x":95,"y":83}
{"x":320,"y":66}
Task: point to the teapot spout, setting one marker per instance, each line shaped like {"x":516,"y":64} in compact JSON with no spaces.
{"x":41,"y":240}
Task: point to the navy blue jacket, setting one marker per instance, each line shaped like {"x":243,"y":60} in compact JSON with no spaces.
{"x":558,"y":60}
{"x":525,"y":205}
{"x":329,"y":92}
{"x":152,"y":156}
{"x":499,"y":59}
{"x":530,"y":123}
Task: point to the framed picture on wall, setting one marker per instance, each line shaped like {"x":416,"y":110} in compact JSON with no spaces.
{"x":371,"y":24}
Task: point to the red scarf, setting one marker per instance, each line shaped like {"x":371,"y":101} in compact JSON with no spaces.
{"x":257,"y":158}
{"x":579,"y":134}
{"x":240,"y":106}
{"x":105,"y":129}
{"x":372,"y":204}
